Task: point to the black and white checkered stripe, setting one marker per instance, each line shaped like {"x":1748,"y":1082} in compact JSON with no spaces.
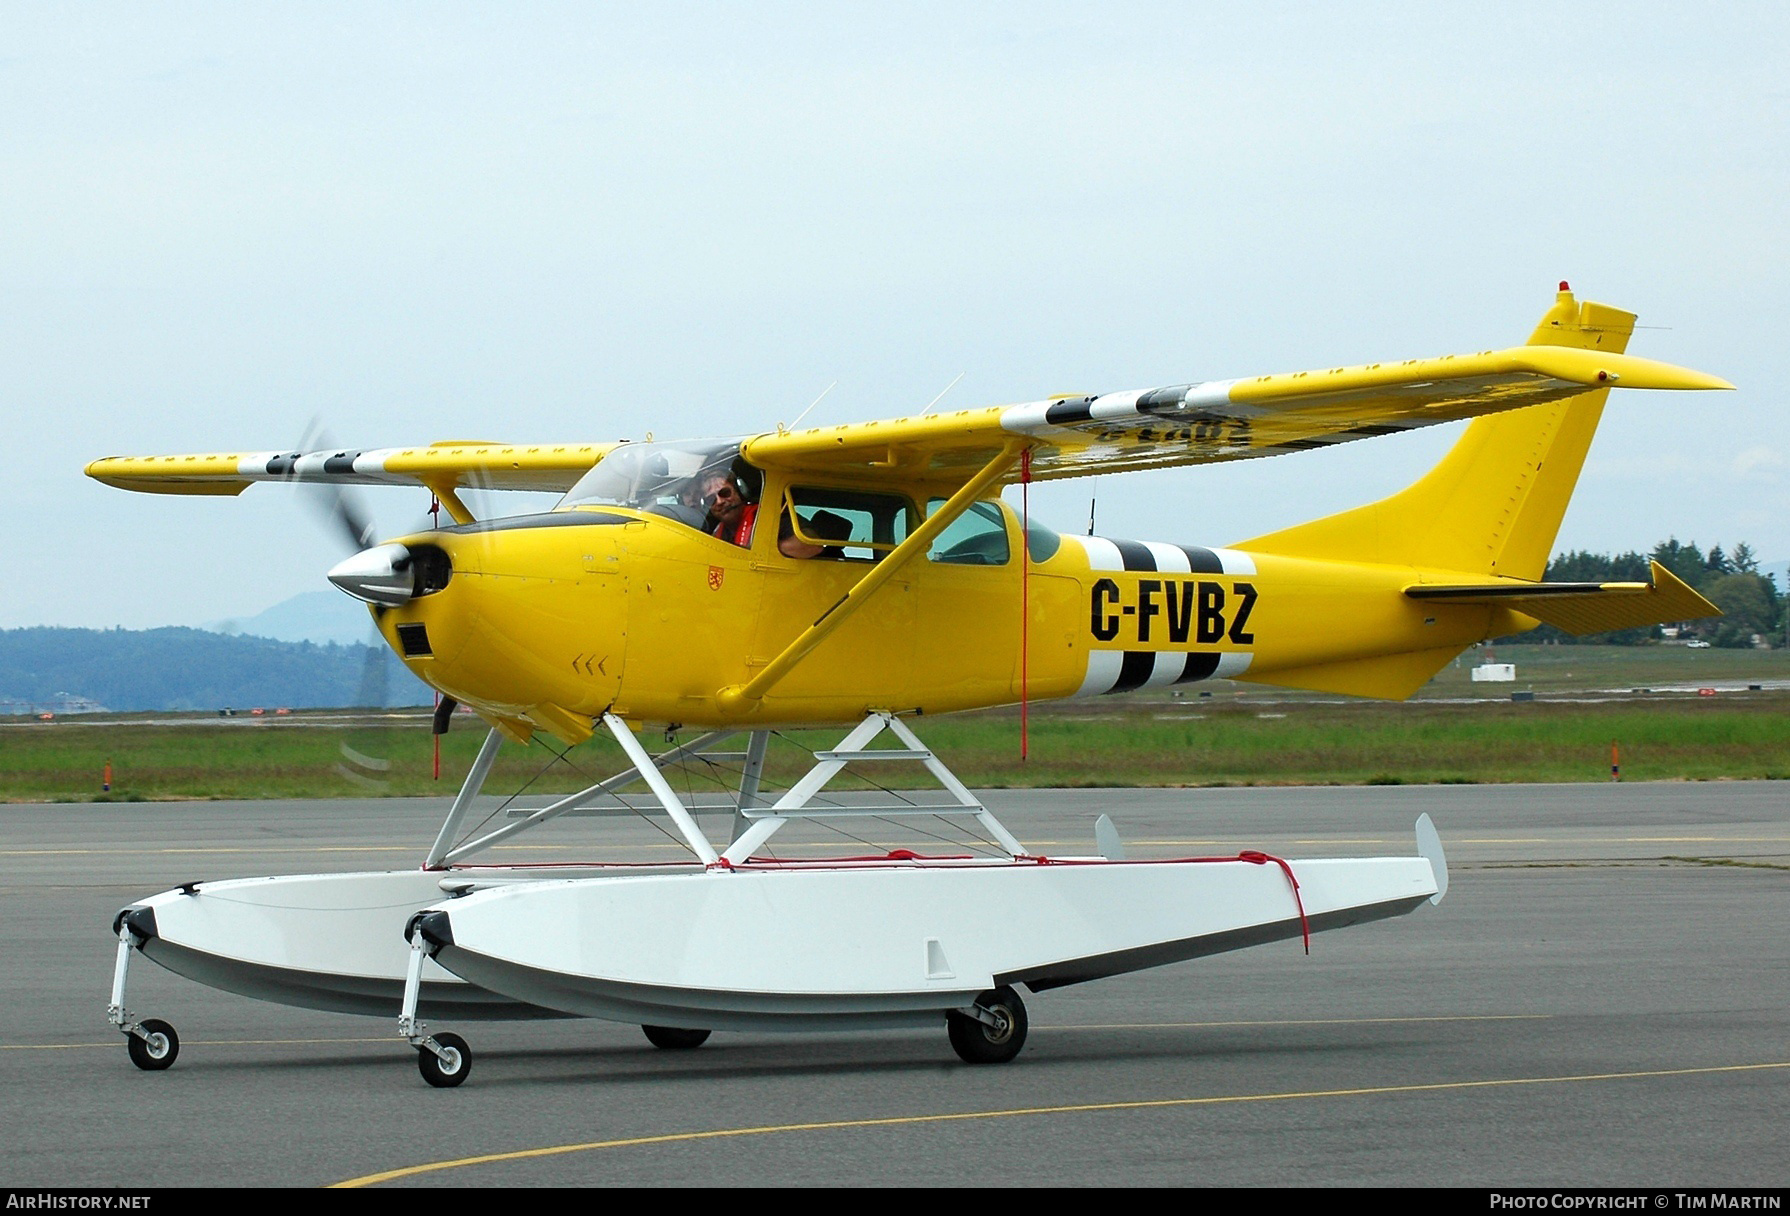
{"x":1132,"y":405}
{"x":1134,"y":409}
{"x":1123,"y":670}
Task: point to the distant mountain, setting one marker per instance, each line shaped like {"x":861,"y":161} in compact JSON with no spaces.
{"x":188,"y":669}
{"x":322,"y":617}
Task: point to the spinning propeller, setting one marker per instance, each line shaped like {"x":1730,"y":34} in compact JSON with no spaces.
{"x":383,"y":576}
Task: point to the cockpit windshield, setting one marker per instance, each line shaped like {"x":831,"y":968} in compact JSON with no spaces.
{"x":669,"y":479}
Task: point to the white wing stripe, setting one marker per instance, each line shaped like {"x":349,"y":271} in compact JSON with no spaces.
{"x":1211,"y":393}
{"x":1117,"y":405}
{"x":1031,"y":418}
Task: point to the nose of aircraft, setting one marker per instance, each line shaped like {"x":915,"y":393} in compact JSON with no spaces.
{"x":384,"y":574}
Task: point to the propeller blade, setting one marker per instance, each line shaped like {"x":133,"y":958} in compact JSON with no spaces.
{"x":346,"y":513}
{"x":354,"y":523}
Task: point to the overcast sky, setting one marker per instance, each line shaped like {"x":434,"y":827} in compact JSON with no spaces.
{"x":540,"y":222}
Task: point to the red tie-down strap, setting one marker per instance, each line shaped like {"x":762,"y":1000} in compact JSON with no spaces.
{"x":1262,"y":859}
{"x":1252,"y":856}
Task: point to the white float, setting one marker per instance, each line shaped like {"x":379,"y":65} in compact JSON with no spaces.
{"x":731,"y":940}
{"x":811,"y":947}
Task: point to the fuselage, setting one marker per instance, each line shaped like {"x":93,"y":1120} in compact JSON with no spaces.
{"x":550,"y":620}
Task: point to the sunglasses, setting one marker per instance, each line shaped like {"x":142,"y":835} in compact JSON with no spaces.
{"x":724,"y":494}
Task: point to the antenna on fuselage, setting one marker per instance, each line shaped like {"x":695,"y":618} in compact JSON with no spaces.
{"x":1092,"y":499}
{"x":941,"y":395}
{"x":812,"y":404}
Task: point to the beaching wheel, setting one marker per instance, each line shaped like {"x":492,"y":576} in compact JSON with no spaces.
{"x":158,"y":1050}
{"x":977,"y":1042}
{"x":448,"y":1069}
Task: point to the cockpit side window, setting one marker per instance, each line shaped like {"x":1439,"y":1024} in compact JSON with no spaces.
{"x":848,"y":525}
{"x":978,"y":537}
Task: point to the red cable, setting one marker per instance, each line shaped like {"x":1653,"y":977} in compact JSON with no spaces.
{"x":1025,"y":600}
{"x":1260,"y":859}
{"x":1252,"y":856}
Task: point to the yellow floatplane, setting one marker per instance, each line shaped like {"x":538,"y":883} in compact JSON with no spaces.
{"x":866,"y":575}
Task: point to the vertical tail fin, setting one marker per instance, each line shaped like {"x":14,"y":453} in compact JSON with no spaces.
{"x":1493,"y":505}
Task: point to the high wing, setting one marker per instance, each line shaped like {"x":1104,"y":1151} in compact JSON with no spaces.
{"x":442,"y":467}
{"x":1072,"y":436}
{"x":1183,"y":424}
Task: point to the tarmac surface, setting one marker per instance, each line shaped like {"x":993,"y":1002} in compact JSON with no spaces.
{"x":1601,"y":1000}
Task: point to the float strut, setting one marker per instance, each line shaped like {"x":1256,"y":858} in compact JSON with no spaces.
{"x":414,"y":1032}
{"x":116,"y":1013}
{"x":475,"y":781}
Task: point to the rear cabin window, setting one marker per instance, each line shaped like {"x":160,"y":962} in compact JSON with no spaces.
{"x":851,"y":525}
{"x":978,"y":537}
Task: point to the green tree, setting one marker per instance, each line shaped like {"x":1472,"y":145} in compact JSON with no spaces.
{"x":1686,"y":561}
{"x":1749,"y":606}
{"x":1583,"y":566}
{"x":1749,"y":600}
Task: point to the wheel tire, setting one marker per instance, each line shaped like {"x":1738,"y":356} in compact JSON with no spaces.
{"x":672,"y":1039}
{"x":158,"y":1051}
{"x":976,"y":1043}
{"x":445,"y":1074}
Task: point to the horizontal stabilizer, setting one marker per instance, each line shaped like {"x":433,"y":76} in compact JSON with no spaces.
{"x":1581,"y":608}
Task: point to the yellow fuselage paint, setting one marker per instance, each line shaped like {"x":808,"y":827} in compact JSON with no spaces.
{"x":652,"y":620}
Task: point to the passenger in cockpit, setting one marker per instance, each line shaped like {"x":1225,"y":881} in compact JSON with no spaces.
{"x":688,"y":509}
{"x":824,"y":526}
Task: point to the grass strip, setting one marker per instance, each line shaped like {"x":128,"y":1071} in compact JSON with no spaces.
{"x":1194,"y":742}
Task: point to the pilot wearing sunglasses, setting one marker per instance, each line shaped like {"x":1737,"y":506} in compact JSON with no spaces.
{"x":734,"y":518}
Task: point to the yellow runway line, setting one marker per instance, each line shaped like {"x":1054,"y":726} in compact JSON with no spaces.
{"x":559,"y":1150}
{"x":1452,"y":1017}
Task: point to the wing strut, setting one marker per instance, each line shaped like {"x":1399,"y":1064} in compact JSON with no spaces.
{"x":919,"y":541}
